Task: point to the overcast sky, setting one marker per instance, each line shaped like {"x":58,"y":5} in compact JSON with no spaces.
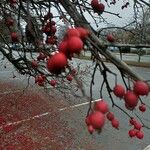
{"x":126,"y":13}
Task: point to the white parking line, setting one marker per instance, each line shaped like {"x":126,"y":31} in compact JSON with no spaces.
{"x":45,"y":114}
{"x":78,"y":105}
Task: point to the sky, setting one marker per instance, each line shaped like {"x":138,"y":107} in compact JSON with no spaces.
{"x":126,"y":13}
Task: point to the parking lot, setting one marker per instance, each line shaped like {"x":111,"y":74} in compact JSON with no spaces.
{"x":32,"y":118}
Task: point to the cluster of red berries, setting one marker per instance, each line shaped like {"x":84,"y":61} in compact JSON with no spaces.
{"x":10,"y":23}
{"x":70,"y":45}
{"x":97,"y":7}
{"x":49,"y":28}
{"x":40,"y":79}
{"x":131,"y":97}
{"x":136,"y":131}
{"x":96,"y":119}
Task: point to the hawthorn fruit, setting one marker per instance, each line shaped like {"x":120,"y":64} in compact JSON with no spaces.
{"x":101,"y":106}
{"x":119,"y":91}
{"x":115,"y":123}
{"x":110,"y":38}
{"x":141,"y":88}
{"x":56,"y":62}
{"x":131,"y":99}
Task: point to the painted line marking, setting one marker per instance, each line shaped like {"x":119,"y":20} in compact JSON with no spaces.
{"x":46,"y":113}
{"x":78,"y":105}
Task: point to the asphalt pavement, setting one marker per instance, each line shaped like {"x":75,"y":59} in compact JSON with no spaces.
{"x":43,"y":123}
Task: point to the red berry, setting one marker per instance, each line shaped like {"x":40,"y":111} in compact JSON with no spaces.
{"x":51,"y":40}
{"x":64,"y":49}
{"x":43,"y":76}
{"x":69,"y":78}
{"x":53,"y":82}
{"x":97,"y":7}
{"x":132,"y":121}
{"x":137,"y":125}
{"x":97,"y":119}
{"x":14,"y":37}
{"x":83,"y":32}
{"x":141,"y":88}
{"x":115,"y":123}
{"x":75,"y":45}
{"x":110,"y":116}
{"x":139,"y":134}
{"x":129,"y":107}
{"x":142,"y":107}
{"x":131,"y":99}
{"x":110,"y":38}
{"x":101,"y":8}
{"x":90,"y":129}
{"x":34,"y":64}
{"x":132,"y":132}
{"x":52,"y":22}
{"x":101,"y":106}
{"x":41,"y":56}
{"x":9,"y":22}
{"x":119,"y":90}
{"x":72,"y":32}
{"x":94,"y":4}
{"x":73,"y":72}
{"x":40,"y":79}
{"x":56,"y":63}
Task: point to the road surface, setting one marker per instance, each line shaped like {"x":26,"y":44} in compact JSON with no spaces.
{"x":127,"y":56}
{"x":41,"y":121}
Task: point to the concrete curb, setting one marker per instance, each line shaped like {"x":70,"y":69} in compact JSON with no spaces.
{"x":138,"y":64}
{"x":147,"y":148}
{"x":131,"y":63}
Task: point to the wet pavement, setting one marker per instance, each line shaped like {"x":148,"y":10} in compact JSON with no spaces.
{"x":33,"y":119}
